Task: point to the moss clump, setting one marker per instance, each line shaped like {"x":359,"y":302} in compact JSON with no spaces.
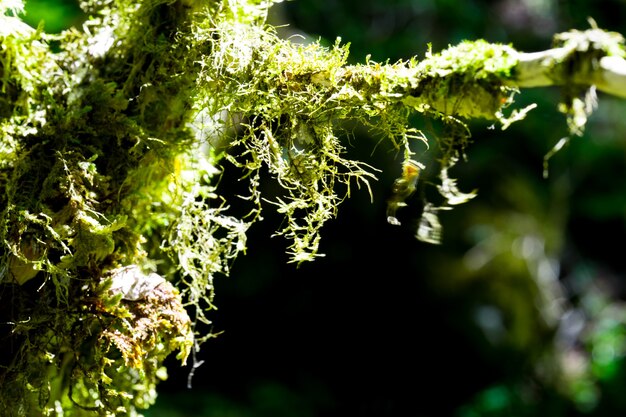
{"x":82,"y":132}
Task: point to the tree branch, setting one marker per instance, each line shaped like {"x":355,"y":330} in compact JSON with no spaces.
{"x":535,"y":69}
{"x":593,"y":57}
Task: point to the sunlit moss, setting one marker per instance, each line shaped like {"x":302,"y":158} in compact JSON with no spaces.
{"x":109,"y":155}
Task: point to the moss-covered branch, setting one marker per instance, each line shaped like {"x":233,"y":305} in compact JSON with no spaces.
{"x":593,"y":57}
{"x":113,"y":226}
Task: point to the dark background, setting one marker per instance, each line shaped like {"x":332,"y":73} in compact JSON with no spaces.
{"x":518,"y":313}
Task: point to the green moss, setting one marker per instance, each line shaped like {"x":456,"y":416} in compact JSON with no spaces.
{"x":109,"y":151}
{"x":465,"y":81}
{"x":75,"y":140}
{"x":108,"y":162}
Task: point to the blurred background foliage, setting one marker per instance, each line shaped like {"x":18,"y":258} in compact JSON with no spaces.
{"x":520,"y":312}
